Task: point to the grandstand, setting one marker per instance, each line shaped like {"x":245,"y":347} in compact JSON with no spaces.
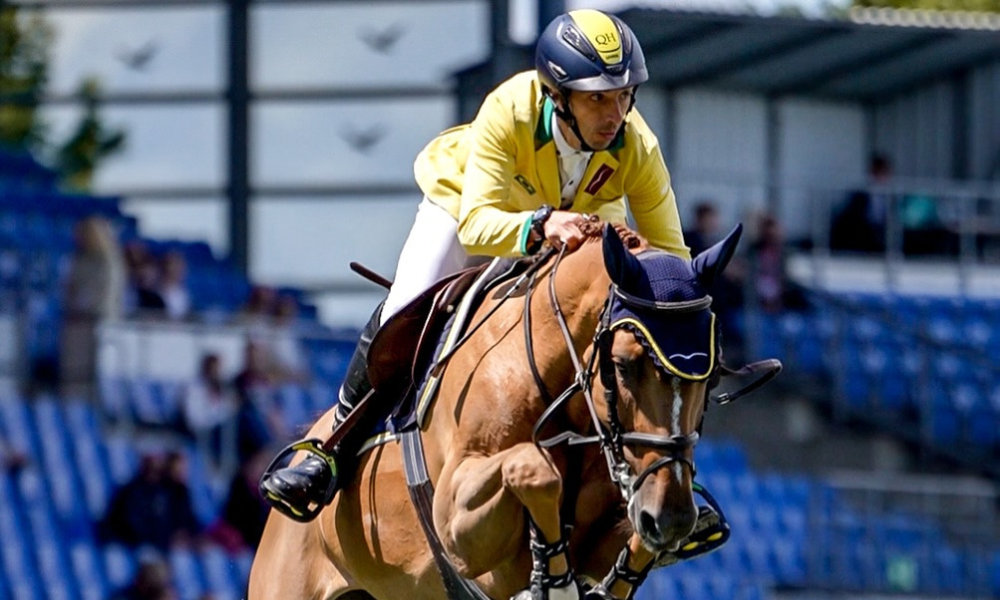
{"x":870,"y":472}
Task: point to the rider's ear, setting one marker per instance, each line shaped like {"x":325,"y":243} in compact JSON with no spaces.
{"x":622,"y":265}
{"x":712,"y":261}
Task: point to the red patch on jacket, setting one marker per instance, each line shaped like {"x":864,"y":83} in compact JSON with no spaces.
{"x":601,"y":177}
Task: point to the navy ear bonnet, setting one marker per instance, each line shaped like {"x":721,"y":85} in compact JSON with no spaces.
{"x":668,"y":309}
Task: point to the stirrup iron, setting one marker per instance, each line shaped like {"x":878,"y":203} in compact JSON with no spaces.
{"x":711,"y":532}
{"x":313,"y":446}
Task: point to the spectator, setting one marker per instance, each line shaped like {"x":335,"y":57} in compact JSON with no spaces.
{"x":148,"y":301}
{"x":154,"y":507}
{"x":705,"y":231}
{"x":245,"y":512}
{"x":284,"y":341}
{"x":94,"y":290}
{"x":258,"y":309}
{"x":173,"y":286}
{"x":861,"y":224}
{"x":772,"y":287}
{"x":137,"y":256}
{"x":152,"y":581}
{"x":727,"y":292}
{"x":11,"y":460}
{"x":209,"y":408}
{"x":259,"y":421}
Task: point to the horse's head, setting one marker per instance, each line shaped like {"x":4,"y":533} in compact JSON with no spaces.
{"x":658,"y":352}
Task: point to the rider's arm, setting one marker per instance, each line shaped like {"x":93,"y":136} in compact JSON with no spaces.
{"x":488,"y":224}
{"x":650,"y":195}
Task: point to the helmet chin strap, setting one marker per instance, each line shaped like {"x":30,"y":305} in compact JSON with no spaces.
{"x":567,"y":116}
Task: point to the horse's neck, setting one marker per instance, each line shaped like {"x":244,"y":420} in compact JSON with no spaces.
{"x":581,"y":290}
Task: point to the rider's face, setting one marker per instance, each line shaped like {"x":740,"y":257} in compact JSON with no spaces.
{"x":599,"y":115}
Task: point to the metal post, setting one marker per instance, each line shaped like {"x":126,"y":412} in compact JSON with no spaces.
{"x":547,"y":11}
{"x":238,"y":100}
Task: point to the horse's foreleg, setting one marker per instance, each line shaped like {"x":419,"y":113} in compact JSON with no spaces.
{"x":630,"y":569}
{"x":480,"y":503}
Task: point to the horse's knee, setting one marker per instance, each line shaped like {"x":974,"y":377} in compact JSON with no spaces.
{"x":529,"y":476}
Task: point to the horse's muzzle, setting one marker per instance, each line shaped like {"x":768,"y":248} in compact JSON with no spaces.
{"x":662,"y":530}
{"x":662,"y":512}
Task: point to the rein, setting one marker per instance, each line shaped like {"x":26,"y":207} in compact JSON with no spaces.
{"x":612,"y":438}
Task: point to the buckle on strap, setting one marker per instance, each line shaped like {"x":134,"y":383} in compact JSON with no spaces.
{"x":541,"y":553}
{"x":711,"y":532}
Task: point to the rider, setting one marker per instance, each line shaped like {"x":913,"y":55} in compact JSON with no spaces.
{"x":547,"y":146}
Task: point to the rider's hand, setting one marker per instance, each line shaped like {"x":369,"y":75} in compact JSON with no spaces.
{"x":563,"y":227}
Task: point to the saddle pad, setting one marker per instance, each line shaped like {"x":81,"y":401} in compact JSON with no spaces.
{"x":456,"y":326}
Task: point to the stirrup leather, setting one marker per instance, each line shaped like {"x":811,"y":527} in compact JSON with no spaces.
{"x":710,"y":533}
{"x":305,"y":514}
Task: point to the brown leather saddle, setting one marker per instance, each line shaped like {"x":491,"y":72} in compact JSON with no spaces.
{"x":405,"y":347}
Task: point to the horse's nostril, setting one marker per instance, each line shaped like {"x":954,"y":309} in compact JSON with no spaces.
{"x":649,"y":525}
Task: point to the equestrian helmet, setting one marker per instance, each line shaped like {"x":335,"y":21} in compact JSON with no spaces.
{"x":589,"y":51}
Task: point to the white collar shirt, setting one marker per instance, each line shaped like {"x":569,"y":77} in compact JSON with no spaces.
{"x":572,"y":165}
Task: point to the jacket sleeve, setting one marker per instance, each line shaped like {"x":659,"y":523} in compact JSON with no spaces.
{"x":653,"y":205}
{"x":486,"y":224}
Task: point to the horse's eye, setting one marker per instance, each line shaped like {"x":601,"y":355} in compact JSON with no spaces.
{"x":624,"y":368}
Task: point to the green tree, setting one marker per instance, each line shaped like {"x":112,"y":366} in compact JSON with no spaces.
{"x":25,"y":42}
{"x":948,"y":5}
{"x":91,"y":142}
{"x":24,"y":61}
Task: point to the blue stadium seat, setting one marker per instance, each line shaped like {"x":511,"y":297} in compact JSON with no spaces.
{"x":243,"y":561}
{"x":188,"y":578}
{"x":114,"y":399}
{"x":89,"y":571}
{"x":731,"y":456}
{"x":207,"y":495}
{"x":790,"y":561}
{"x":983,"y":427}
{"x":54,"y":567}
{"x":221,"y":573}
{"x":322,"y":397}
{"x":291,"y":399}
{"x":119,"y":565}
{"x":87,"y":447}
{"x":122,"y":458}
{"x":659,"y":584}
{"x":943,"y":424}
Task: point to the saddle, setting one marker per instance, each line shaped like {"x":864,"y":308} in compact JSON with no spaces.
{"x":404,"y":350}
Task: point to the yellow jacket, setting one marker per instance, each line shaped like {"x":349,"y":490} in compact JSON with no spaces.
{"x":493,"y":173}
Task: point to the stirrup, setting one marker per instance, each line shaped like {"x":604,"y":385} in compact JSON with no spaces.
{"x":305,"y":514}
{"x":711,"y":532}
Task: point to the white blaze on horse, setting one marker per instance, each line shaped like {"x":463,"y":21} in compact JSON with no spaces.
{"x":556,"y":459}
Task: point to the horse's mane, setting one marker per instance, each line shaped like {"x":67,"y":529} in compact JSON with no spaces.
{"x":593,"y":227}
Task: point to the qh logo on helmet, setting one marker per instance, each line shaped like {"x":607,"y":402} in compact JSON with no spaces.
{"x":602,"y":34}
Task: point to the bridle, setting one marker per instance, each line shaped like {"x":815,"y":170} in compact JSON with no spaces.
{"x":612,"y":437}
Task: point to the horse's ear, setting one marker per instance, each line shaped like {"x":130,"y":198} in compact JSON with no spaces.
{"x":713,"y":260}
{"x":622,"y":266}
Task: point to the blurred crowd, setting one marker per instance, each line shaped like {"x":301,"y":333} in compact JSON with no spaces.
{"x":106,"y":281}
{"x":756,"y":278}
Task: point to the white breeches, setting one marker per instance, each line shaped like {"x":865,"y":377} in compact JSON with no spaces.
{"x":431,"y":251}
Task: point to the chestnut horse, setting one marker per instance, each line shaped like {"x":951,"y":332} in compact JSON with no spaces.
{"x":627,"y":332}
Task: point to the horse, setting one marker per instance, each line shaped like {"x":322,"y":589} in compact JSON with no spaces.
{"x":559,"y":444}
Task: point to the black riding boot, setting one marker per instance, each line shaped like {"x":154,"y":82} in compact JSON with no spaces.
{"x":313,"y":481}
